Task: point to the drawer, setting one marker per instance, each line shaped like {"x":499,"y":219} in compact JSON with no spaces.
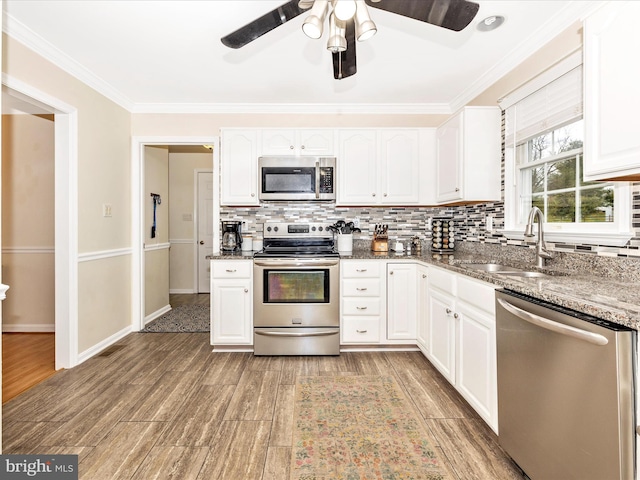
{"x":477,"y":293}
{"x":361,"y":287}
{"x":442,"y":280}
{"x":360,"y":306}
{"x":360,"y":329}
{"x":361,"y":269}
{"x":231,"y":268}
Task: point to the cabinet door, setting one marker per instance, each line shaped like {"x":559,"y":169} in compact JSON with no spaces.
{"x":316,"y":142}
{"x":357,"y":168}
{"x":399,"y":167}
{"x":422,"y":333}
{"x":442,"y":334}
{"x":278,"y":142}
{"x":611,"y":78}
{"x":239,"y":168}
{"x":231,"y":312}
{"x":476,"y":362}
{"x":449,"y":160}
{"x":401,"y":301}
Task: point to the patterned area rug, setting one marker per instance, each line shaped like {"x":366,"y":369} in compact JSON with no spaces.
{"x":183,"y":318}
{"x":356,"y":428}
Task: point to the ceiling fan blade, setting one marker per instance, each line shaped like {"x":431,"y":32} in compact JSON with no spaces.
{"x":344,"y":63}
{"x":451,"y":14}
{"x":262,"y":25}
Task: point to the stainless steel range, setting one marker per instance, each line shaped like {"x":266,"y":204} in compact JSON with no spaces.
{"x":296,"y":291}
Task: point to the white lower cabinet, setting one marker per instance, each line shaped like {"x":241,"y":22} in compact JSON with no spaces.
{"x":231,"y":302}
{"x":462,"y":333}
{"x":362,"y":301}
{"x":422,"y":315}
{"x":401,"y":301}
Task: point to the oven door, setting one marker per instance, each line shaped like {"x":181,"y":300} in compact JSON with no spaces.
{"x":296,"y":292}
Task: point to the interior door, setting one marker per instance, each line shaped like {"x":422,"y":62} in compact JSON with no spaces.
{"x":205,"y":230}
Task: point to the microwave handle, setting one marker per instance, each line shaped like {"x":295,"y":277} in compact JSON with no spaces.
{"x":317,"y":179}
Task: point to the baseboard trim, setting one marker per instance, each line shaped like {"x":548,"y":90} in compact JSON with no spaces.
{"x":379,"y":348}
{"x":107,"y":342}
{"x":156,"y":314}
{"x":179,"y":291}
{"x":29,"y":328}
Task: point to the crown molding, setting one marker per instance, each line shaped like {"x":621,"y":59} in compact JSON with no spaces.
{"x":298,"y":108}
{"x":576,"y":11}
{"x":23,"y":34}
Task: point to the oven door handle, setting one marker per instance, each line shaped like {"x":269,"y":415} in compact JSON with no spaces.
{"x":322,"y":333}
{"x":289,"y":262}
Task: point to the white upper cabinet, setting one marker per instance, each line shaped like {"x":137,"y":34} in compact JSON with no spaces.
{"x":384,"y":166}
{"x":289,"y":141}
{"x":612,"y":97}
{"x":468,"y":157}
{"x":239,"y":167}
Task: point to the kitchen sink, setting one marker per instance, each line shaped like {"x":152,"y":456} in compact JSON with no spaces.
{"x":504,"y":270}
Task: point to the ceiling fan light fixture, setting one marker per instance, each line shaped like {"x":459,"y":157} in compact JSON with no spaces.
{"x":337,"y":35}
{"x":365,"y":28}
{"x":313,"y":24}
{"x":344,"y":9}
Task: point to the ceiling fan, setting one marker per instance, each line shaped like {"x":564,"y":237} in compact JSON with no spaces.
{"x":349,"y":20}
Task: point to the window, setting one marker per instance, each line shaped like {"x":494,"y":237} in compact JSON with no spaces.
{"x":544,"y":134}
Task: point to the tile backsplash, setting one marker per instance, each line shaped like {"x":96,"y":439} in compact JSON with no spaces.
{"x":405,"y":222}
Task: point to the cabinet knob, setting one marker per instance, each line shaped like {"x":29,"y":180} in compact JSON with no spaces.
{"x":361,"y":331}
{"x":448,"y":310}
{"x":457,"y":189}
{"x":385,"y":194}
{"x":290,"y":147}
{"x":302,"y":147}
{"x":391,"y":273}
{"x":424,"y":276}
{"x":373,"y":194}
{"x":253,"y":194}
{"x":246,"y":290}
{"x":455,"y":315}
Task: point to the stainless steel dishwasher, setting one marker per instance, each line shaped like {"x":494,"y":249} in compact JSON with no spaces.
{"x":565,"y":391}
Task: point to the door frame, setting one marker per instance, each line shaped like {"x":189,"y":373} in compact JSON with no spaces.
{"x":196,"y":223}
{"x":137,"y":210}
{"x":66,"y":215}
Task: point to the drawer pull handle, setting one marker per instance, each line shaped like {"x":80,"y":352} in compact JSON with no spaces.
{"x":361,"y":308}
{"x":361,"y":270}
{"x":231,"y":270}
{"x":361,"y":331}
{"x":361,"y":289}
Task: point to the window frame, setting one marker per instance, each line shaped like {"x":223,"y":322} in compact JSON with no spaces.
{"x":615,"y":233}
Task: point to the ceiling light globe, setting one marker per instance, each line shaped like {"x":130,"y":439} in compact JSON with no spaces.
{"x":365,"y":31}
{"x":344,"y":9}
{"x":312,"y":27}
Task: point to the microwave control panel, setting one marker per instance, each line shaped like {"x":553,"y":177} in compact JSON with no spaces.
{"x":326,"y":179}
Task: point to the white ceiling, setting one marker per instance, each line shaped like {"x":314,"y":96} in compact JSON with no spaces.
{"x":157,"y":56}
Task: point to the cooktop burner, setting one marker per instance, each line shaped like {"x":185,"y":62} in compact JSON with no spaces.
{"x":297,"y":240}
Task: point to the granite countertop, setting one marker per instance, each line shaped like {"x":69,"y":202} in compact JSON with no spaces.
{"x":604,"y":288}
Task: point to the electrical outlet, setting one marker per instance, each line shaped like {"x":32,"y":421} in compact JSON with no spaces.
{"x":356,"y":222}
{"x":106,"y":210}
{"x":488,"y":224}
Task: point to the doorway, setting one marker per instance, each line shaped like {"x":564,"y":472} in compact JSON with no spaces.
{"x":182,"y":214}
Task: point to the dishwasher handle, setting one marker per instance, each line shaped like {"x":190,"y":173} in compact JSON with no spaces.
{"x":542,"y":322}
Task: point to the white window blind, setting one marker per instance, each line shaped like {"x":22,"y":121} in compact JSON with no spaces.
{"x":553,"y":105}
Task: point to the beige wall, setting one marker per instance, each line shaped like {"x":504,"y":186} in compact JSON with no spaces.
{"x":156,"y":180}
{"x":28,"y":222}
{"x":181,"y":204}
{"x":104,"y":138}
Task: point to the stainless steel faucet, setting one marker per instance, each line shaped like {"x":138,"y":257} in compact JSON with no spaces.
{"x":541,"y":251}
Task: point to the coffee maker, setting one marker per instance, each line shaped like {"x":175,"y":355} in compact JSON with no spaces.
{"x":231,"y":236}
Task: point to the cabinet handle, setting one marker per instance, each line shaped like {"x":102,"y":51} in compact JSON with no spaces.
{"x":455,"y":315}
{"x":457,"y":189}
{"x":361,"y":270}
{"x":424,"y":276}
{"x":390,"y":273}
{"x":361,"y":331}
{"x":373,"y":194}
{"x":230,"y":270}
{"x":302,"y":147}
{"x":448,"y":310}
{"x":361,"y":308}
{"x":246,"y":290}
{"x":361,"y":289}
{"x":290,"y":147}
{"x":385,"y":194}
{"x":253,"y":194}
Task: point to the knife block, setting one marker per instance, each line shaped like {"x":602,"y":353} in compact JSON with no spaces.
{"x":380,"y":243}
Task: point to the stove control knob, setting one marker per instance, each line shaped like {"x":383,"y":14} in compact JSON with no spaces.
{"x":275,"y":229}
{"x":313,"y":229}
{"x":268,"y":229}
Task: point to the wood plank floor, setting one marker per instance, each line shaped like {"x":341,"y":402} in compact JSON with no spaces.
{"x":27,"y":359}
{"x":162,"y":405}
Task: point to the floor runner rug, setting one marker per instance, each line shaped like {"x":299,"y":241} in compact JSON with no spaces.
{"x":183,"y":318}
{"x":357,"y":428}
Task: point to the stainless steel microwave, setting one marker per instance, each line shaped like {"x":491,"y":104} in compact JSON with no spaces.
{"x":296,"y":178}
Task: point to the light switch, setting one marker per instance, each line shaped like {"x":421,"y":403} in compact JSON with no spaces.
{"x":106,"y":210}
{"x":488,"y":224}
